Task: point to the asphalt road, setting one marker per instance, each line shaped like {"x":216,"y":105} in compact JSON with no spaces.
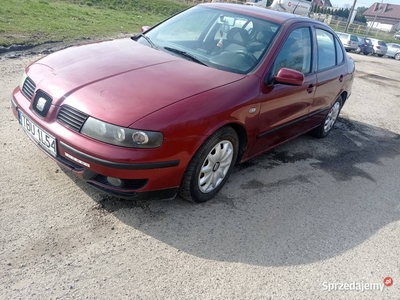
{"x":304,"y":221}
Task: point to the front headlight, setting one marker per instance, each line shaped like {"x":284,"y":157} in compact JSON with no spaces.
{"x":121,"y":136}
{"x":21,"y":83}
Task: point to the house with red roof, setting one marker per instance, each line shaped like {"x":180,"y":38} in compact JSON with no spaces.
{"x":383,"y":16}
{"x":323,"y":3}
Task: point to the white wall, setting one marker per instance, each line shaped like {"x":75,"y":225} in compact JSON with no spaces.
{"x":385,"y":27}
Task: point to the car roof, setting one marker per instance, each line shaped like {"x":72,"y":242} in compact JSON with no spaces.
{"x":259,"y":12}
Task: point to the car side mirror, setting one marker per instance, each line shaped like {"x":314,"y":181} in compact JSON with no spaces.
{"x":144,"y":29}
{"x":289,"y":76}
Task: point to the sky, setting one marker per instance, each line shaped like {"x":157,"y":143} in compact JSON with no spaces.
{"x":366,"y":3}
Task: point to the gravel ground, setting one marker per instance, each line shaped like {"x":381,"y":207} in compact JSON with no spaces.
{"x":288,"y":225}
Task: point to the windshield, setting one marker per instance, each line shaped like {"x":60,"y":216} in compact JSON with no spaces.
{"x":216,"y":38}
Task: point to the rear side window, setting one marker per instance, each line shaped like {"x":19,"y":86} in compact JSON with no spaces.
{"x":326,"y":50}
{"x":339,"y":52}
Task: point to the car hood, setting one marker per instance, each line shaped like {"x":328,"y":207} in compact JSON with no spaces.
{"x":122,"y":81}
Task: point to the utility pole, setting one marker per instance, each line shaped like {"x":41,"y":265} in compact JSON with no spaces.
{"x":373,"y":22}
{"x":350,"y":14}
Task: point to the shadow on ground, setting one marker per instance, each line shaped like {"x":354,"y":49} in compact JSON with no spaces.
{"x":305,"y":201}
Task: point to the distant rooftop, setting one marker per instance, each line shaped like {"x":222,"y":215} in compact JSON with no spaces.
{"x":384,"y":12}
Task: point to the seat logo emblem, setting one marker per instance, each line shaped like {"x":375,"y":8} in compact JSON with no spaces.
{"x":40,"y":104}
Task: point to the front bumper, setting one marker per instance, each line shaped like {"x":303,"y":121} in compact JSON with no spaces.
{"x":143,"y":173}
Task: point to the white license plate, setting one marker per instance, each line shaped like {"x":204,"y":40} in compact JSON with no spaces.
{"x":45,"y":140}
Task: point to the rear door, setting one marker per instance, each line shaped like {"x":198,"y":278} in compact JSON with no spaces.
{"x":331,"y":71}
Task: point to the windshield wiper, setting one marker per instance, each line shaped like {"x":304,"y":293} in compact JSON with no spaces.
{"x":186,"y":54}
{"x":136,"y":37}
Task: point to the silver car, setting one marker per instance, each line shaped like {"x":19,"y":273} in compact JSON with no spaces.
{"x":393,"y":50}
{"x":349,"y":41}
{"x":380,"y":47}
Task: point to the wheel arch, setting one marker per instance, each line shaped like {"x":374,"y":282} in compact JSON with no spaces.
{"x":240,"y":131}
{"x":242,"y":135}
{"x":344,"y":97}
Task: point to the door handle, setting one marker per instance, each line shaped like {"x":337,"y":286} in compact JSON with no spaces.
{"x":341,"y":78}
{"x":310,"y":88}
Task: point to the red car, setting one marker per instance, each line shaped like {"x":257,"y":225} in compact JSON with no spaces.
{"x":173,"y":109}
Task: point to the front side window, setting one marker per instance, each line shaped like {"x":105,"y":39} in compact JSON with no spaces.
{"x":296,"y":52}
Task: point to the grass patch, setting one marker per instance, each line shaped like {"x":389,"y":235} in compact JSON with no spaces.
{"x":36,"y":21}
{"x":31,"y":22}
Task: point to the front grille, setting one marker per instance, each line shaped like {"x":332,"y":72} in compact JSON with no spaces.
{"x":132,"y":184}
{"x":71,"y":117}
{"x":28,"y":88}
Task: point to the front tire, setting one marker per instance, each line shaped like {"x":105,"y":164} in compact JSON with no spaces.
{"x":397,"y":56}
{"x":211,"y":166}
{"x":329,"y":121}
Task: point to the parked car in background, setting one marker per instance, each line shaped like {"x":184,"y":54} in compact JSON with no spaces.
{"x":380,"y":47}
{"x":365,"y":46}
{"x":397,"y":35}
{"x":349,"y":41}
{"x":259,"y":3}
{"x":393,"y":50}
{"x":174,"y":108}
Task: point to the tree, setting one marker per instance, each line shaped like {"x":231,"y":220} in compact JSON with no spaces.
{"x":346,"y":13}
{"x":360,"y":15}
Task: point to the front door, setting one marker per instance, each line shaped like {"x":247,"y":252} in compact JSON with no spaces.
{"x":284,"y":108}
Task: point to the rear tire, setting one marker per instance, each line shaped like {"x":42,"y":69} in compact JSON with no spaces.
{"x":211,"y":166}
{"x":329,"y":121}
{"x":380,"y":55}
